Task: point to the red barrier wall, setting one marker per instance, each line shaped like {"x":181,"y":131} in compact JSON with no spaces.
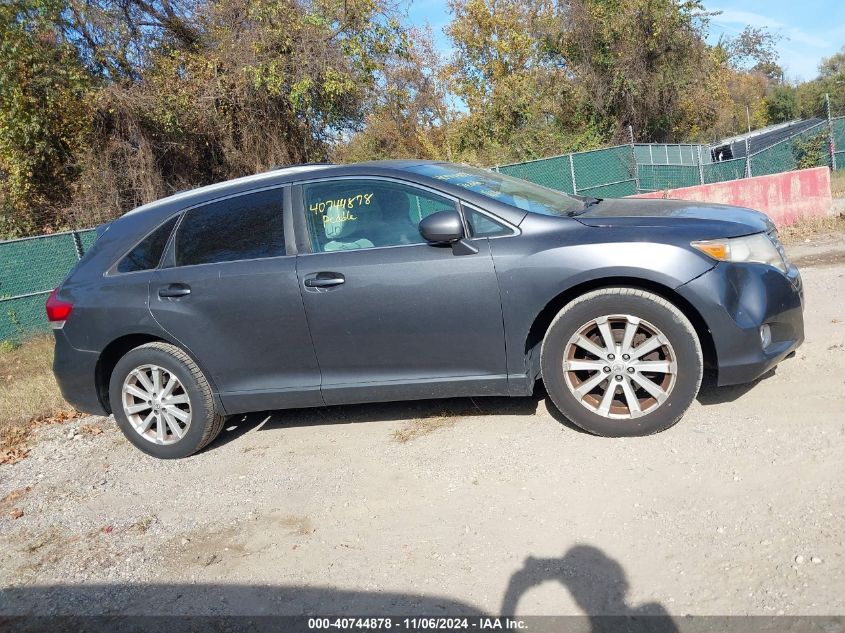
{"x":785,"y":197}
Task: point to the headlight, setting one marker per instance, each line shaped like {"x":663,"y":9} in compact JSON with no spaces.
{"x":751,"y":248}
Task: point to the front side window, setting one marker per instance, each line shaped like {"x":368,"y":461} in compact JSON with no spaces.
{"x":349,"y":214}
{"x":147,"y":254}
{"x":513,"y":191}
{"x":244,"y":227}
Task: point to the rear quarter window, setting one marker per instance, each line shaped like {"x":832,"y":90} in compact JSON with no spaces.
{"x":147,"y":254}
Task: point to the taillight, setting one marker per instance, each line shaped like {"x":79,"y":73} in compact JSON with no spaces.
{"x":57,"y":310}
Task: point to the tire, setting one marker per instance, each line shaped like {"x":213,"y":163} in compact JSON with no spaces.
{"x":650,"y":393}
{"x":178,"y":423}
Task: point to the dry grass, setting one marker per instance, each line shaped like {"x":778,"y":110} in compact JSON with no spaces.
{"x":421,"y":427}
{"x":812,"y":228}
{"x":28,"y":395}
{"x":837,"y":183}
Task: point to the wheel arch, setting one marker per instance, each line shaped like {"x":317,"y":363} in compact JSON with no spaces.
{"x":544,"y":318}
{"x":119,"y":347}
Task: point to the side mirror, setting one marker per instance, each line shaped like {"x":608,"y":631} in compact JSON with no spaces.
{"x":442,"y":227}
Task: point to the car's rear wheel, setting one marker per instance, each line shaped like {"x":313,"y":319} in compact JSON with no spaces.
{"x":162,"y":401}
{"x":621,"y":362}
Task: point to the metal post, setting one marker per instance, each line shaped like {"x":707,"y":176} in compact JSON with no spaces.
{"x":651,"y":153}
{"x":831,"y":145}
{"x":572,"y":172}
{"x":77,"y":243}
{"x":666,"y":147}
{"x":634,"y":163}
{"x":700,"y":167}
{"x":747,"y":160}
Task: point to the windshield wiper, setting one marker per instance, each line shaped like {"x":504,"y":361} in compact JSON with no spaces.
{"x":588,"y":202}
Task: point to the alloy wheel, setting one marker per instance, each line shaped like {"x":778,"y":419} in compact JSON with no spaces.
{"x":620,"y":366}
{"x":156,"y":404}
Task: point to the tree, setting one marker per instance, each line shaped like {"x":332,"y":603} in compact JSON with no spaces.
{"x":636,"y":62}
{"x":43,"y":117}
{"x":754,"y":50}
{"x":517,"y":94}
{"x":409,"y":113}
{"x":147,"y":97}
{"x":782,"y":104}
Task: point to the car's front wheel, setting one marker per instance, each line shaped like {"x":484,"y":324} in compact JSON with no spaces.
{"x":621,"y":362}
{"x":162,"y":401}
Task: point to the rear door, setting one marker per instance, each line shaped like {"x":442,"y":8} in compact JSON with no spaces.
{"x":229,"y":293}
{"x":391,"y":316}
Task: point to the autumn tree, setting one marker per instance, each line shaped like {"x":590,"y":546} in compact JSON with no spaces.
{"x":409,"y":114}
{"x":636,"y":62}
{"x":43,"y":116}
{"x":830,"y":81}
{"x":147,"y":97}
{"x":516,"y":93}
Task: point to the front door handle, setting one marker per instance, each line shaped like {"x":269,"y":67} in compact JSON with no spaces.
{"x":325,"y":280}
{"x":174,"y":291}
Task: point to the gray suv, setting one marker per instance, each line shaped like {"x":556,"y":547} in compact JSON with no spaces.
{"x":322,"y":285}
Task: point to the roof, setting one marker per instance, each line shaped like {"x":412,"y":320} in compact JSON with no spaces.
{"x":226,"y":184}
{"x":272,"y":177}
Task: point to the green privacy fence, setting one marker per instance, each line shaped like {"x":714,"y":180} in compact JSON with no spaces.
{"x":723,"y":170}
{"x":555,"y":172}
{"x":605,"y":173}
{"x":807,"y":149}
{"x":628,"y":169}
{"x":839,"y":143}
{"x":29,"y":269}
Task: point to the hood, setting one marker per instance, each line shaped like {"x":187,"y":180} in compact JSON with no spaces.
{"x":713,"y":220}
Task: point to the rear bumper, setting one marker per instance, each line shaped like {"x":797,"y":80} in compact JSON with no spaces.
{"x":76,"y":373}
{"x":735,"y":300}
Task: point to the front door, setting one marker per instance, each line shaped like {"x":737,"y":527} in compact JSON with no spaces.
{"x":231,"y":297}
{"x":393,"y":317}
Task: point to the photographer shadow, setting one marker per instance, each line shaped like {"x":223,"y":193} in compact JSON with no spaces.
{"x":598,"y":585}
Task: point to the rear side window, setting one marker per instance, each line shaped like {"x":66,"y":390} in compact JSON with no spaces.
{"x":244,"y":227}
{"x":147,"y":254}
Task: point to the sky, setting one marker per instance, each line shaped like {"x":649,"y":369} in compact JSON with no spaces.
{"x":810,"y":29}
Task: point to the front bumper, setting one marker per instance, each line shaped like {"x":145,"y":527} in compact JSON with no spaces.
{"x":76,"y":373}
{"x":735,"y":300}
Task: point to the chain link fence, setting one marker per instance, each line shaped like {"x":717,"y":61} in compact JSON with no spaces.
{"x":838,"y":148}
{"x":604,"y":173}
{"x":638,"y":168}
{"x":29,"y":269}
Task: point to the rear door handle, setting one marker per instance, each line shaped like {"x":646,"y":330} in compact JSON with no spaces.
{"x":174,"y":291}
{"x":325,"y":280}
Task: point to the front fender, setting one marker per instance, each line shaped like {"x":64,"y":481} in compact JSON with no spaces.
{"x":532,"y":280}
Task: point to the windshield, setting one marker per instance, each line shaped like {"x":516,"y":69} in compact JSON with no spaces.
{"x":513,"y":191}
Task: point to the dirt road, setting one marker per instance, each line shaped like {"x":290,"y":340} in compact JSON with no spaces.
{"x":454,"y":506}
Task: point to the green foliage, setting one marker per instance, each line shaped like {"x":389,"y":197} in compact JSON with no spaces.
{"x":8,"y":346}
{"x":43,"y":118}
{"x":810,"y":152}
{"x":782,"y":104}
{"x":106,"y":105}
{"x":641,"y":63}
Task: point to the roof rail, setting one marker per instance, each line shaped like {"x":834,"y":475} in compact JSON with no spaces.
{"x":277,"y":167}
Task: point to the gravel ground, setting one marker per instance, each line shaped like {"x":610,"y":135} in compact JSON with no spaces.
{"x":455,"y":506}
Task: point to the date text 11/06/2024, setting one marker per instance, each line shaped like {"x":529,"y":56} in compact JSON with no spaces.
{"x":416,"y":624}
